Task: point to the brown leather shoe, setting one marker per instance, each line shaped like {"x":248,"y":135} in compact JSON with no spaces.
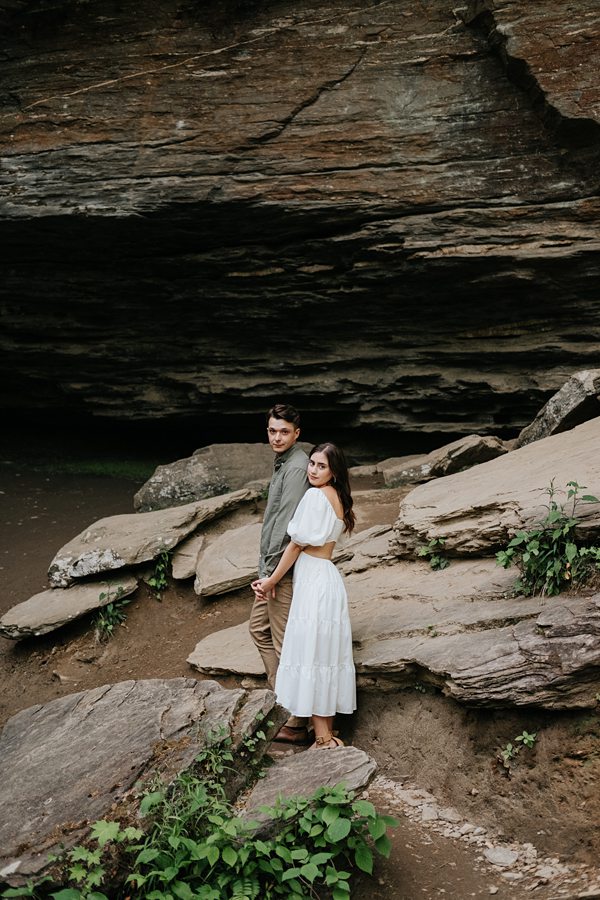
{"x":289,"y":734}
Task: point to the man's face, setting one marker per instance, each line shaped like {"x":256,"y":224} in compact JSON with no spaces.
{"x":282,"y":434}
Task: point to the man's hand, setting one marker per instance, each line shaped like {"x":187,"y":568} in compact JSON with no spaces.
{"x":264,"y":589}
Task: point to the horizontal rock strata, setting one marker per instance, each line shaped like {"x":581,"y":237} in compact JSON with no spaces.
{"x":478,"y":511}
{"x":551,"y":661}
{"x":456,"y":630}
{"x":380,"y":166}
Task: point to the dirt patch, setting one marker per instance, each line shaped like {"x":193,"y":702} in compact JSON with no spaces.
{"x":549,"y":797}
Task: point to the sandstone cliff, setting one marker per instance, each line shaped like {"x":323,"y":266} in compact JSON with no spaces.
{"x":388,"y":209}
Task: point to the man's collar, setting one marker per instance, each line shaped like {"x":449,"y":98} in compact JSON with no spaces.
{"x":280,"y":458}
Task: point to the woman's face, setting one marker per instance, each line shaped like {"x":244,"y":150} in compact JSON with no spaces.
{"x":319,"y":473}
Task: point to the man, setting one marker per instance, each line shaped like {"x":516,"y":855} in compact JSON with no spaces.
{"x":288,"y":485}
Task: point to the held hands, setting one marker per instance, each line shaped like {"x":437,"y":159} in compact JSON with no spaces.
{"x":264,"y":589}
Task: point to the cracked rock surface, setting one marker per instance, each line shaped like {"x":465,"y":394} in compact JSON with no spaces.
{"x":72,"y":761}
{"x":130,"y":539}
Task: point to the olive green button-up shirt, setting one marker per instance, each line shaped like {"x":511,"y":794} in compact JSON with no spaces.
{"x":288,"y":486}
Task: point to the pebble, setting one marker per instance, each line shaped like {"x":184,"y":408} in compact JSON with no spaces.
{"x":500,"y":856}
{"x":546,"y":872}
{"x":429,"y":814}
{"x":450,"y":815}
{"x":519,"y":862}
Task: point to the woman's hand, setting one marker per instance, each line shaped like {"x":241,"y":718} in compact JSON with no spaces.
{"x":264,"y":588}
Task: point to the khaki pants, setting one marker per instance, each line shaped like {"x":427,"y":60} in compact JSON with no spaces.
{"x":267,"y":627}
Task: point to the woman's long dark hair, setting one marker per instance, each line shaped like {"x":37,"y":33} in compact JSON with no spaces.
{"x":340,"y":481}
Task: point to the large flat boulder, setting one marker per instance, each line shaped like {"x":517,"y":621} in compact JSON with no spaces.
{"x":208,"y":472}
{"x":228,"y":651}
{"x":67,"y":763}
{"x":477,"y":511}
{"x":577,"y":401}
{"x":301,"y":774}
{"x":184,"y":561}
{"x":229,"y":562}
{"x":458,"y":630}
{"x":185,"y":557}
{"x":461,"y":454}
{"x":51,"y":609}
{"x":130,"y":539}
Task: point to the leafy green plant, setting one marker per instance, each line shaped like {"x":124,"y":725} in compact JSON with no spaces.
{"x":526,"y":739}
{"x":158,"y":580}
{"x":108,"y":617}
{"x":251,"y":743}
{"x":508,"y":753}
{"x":433,"y":552}
{"x":27,"y":890}
{"x":196,"y":848}
{"x":312,"y":843}
{"x":549,"y":556}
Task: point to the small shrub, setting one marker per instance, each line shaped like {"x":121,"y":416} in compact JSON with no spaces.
{"x":158,"y":580}
{"x":113,"y":614}
{"x":510,"y":752}
{"x":549,"y":556}
{"x":434,"y":553}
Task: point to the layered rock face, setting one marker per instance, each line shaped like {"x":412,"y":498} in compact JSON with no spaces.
{"x":385,"y":210}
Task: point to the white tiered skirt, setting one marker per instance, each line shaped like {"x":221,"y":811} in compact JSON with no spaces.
{"x":316,"y":671}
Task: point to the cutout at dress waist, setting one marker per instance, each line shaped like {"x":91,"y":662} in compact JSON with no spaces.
{"x":324,"y":552}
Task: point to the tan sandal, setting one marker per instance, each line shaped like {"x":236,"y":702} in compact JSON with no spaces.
{"x":324,"y":743}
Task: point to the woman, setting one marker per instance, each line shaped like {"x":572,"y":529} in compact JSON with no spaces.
{"x":316,"y":672}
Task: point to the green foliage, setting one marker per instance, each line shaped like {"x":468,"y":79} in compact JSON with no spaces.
{"x":510,"y":752}
{"x":434,"y":553}
{"x":113,"y":614}
{"x":158,"y":580}
{"x":196,"y":848}
{"x":28,"y":890}
{"x":549,"y":556}
{"x":526,"y":739}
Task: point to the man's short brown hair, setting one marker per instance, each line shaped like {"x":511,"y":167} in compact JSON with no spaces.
{"x":286,"y":412}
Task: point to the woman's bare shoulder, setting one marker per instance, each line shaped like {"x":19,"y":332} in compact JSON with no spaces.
{"x":332,"y":496}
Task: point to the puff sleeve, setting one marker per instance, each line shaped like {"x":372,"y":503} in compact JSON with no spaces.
{"x":314,"y":521}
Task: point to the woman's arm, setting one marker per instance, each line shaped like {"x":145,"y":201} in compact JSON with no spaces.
{"x":264,"y":586}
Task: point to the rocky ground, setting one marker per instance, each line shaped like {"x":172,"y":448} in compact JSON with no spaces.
{"x":467,"y":827}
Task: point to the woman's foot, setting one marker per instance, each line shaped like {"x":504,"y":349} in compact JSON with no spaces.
{"x":327,"y":742}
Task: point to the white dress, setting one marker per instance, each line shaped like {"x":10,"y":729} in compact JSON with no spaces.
{"x":316,"y":671}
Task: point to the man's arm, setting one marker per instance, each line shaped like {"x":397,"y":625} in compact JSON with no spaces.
{"x":295,"y":483}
